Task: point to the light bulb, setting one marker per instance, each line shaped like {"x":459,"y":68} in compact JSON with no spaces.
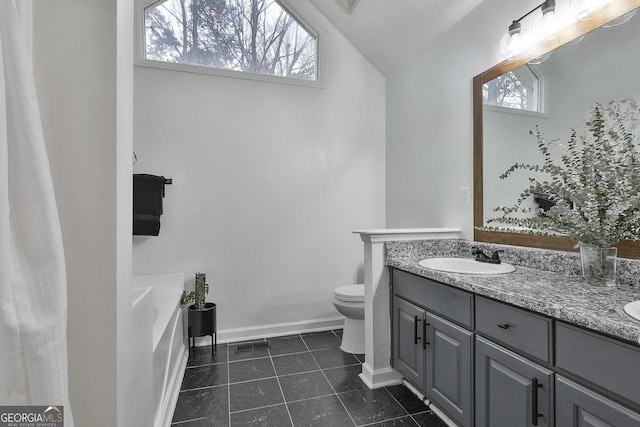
{"x":516,"y":42}
{"x":553,"y":18}
{"x":546,"y":25}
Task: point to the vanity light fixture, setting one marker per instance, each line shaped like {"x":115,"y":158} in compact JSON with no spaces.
{"x":518,"y":40}
{"x":547,"y":25}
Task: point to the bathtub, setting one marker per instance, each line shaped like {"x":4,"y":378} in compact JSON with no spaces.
{"x":169,"y":346}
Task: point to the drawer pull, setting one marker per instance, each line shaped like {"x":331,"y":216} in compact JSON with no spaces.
{"x":415,"y":330}
{"x":534,"y":401}
{"x":424,"y":334}
{"x":503,"y":325}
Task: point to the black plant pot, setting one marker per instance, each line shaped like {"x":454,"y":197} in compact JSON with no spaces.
{"x":203,"y":323}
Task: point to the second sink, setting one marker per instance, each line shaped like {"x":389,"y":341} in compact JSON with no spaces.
{"x":633,"y":310}
{"x":465,"y":266}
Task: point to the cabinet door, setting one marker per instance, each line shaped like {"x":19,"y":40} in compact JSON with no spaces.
{"x":511,"y":391}
{"x":580,"y":407}
{"x":449,"y":368}
{"x":408,"y":334}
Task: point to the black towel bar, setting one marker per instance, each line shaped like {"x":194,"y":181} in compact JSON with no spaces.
{"x":168,"y":181}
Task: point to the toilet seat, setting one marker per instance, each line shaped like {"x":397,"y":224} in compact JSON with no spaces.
{"x":349,"y":293}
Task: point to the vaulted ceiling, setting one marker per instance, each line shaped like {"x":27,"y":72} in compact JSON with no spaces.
{"x":391,"y":32}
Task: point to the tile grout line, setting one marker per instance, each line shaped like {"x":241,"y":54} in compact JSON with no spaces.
{"x":400,"y":404}
{"x":188,"y":421}
{"x":375,"y":423}
{"x":330,"y":385}
{"x":256,"y":408}
{"x":284,"y":400}
{"x":413,"y":419}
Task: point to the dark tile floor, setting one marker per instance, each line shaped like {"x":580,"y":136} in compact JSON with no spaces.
{"x":299,"y":380}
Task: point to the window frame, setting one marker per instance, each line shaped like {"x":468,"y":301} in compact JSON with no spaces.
{"x":141,"y":61}
{"x":541,"y":95}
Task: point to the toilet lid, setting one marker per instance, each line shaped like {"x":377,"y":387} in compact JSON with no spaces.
{"x":350,"y":293}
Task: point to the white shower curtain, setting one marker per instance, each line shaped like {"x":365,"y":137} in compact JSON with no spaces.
{"x":33,"y":287}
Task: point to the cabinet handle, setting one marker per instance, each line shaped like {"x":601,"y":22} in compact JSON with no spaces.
{"x":415,"y":330}
{"x":424,"y":334}
{"x":534,"y":401}
{"x":503,"y":325}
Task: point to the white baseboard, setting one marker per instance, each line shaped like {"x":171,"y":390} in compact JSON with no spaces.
{"x":274,"y":330}
{"x":380,"y":377}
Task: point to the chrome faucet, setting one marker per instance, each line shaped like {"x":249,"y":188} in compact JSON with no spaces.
{"x":482,"y":257}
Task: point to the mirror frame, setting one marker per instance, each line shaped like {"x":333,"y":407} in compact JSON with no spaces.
{"x":626,"y":248}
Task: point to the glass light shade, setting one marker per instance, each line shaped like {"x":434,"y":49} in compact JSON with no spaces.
{"x":540,"y":59}
{"x":546,"y":25}
{"x":576,"y":40}
{"x":585,"y":9}
{"x":621,"y":20}
{"x":515,"y":43}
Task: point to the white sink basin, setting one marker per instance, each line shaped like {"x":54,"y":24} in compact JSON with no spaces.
{"x":465,"y":266}
{"x":633,"y":309}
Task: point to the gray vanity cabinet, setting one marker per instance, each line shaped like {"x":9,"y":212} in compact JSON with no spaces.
{"x":408,"y":335}
{"x":529,"y":369}
{"x":433,"y":353}
{"x":578,"y":406}
{"x":511,"y":391}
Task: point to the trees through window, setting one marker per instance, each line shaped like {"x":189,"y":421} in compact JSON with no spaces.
{"x":518,"y":89}
{"x":256,"y":36}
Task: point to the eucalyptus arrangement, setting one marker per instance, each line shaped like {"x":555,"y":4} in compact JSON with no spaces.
{"x":198,"y":295}
{"x":594,"y":187}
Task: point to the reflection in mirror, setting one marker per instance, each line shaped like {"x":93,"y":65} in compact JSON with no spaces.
{"x":599,"y":69}
{"x":554,"y":94}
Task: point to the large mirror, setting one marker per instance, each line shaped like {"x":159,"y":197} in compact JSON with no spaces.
{"x":591,"y":61}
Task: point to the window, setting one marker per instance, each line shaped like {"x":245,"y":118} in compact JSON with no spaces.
{"x":253,"y":36}
{"x":518,"y":89}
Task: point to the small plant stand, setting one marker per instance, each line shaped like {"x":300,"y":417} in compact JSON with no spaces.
{"x":202,"y":323}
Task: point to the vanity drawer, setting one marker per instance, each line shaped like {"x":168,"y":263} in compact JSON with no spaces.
{"x":520,"y":329}
{"x":608,"y":363}
{"x":454,"y":304}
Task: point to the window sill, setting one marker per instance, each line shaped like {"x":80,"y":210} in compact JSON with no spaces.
{"x":319,"y":84}
{"x":506,"y":110}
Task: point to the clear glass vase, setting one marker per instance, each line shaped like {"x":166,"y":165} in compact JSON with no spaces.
{"x":599,"y":263}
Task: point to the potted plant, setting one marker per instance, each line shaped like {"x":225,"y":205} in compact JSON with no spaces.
{"x":202,"y":314}
{"x":594,"y":188}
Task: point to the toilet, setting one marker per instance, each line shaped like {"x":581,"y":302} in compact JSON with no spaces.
{"x":349,"y":301}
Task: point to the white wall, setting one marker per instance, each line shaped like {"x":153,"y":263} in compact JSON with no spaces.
{"x":430,"y":122}
{"x":83,"y":75}
{"x":269,"y":180}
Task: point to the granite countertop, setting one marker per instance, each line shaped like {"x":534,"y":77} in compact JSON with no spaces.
{"x":566,"y":297}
